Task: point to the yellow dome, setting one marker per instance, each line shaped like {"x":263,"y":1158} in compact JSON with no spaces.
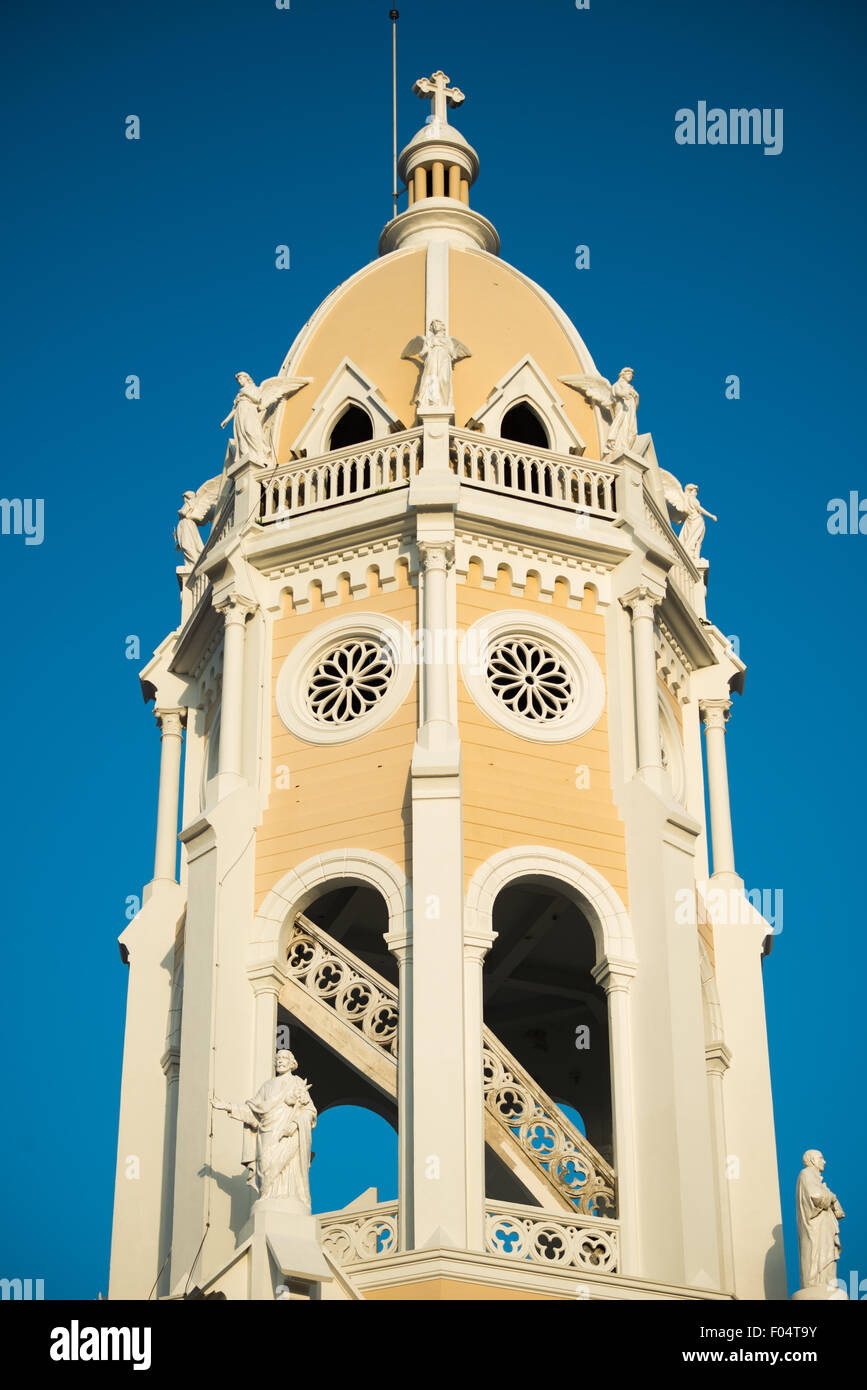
{"x":500,"y":314}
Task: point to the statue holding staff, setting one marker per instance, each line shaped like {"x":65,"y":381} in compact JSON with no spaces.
{"x":278,"y":1124}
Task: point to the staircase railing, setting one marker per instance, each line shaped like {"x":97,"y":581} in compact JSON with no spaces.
{"x":353,"y":990}
{"x":545,"y":1134}
{"x":368,"y":1003}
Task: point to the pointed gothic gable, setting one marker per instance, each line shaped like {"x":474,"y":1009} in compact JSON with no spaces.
{"x":526,"y":382}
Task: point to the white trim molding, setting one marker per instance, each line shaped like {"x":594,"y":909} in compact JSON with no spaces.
{"x":526,"y":382}
{"x":292,"y":691}
{"x":308,"y":880}
{"x":348,"y":385}
{"x":587,"y":682}
{"x":600,"y":903}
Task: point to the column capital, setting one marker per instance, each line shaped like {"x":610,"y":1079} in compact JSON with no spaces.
{"x":400,"y":945}
{"x":436,"y":555}
{"x":235,"y":608}
{"x":170,"y":721}
{"x":171,"y":1063}
{"x":267,"y":979}
{"x":714,"y":713}
{"x":478,"y":944}
{"x":643,"y":599}
{"x":614,"y":976}
{"x":717,"y":1057}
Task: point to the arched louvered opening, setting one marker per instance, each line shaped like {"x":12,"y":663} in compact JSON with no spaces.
{"x":522,"y":424}
{"x":355,"y":1139}
{"x":542,"y":1003}
{"x":353,"y":427}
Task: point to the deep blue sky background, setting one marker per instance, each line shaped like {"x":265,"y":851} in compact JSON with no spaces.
{"x":261,"y":127}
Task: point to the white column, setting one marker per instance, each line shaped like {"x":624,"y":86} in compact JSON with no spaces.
{"x":615,"y":977}
{"x":436,"y":1092}
{"x":437,"y":558}
{"x":642,"y":602}
{"x":235,"y":610}
{"x":171,"y":732}
{"x":401,"y":948}
{"x":714,"y":714}
{"x":475,"y":950}
{"x":717,"y":1060}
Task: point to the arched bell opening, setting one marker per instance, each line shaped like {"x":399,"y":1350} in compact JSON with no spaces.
{"x":339,"y":1022}
{"x":524,"y":425}
{"x":543,"y":1005}
{"x":354,"y":426}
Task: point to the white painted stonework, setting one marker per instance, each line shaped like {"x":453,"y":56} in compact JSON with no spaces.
{"x":485,"y":628}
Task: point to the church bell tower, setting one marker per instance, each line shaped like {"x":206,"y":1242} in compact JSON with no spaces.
{"x":435,"y":698}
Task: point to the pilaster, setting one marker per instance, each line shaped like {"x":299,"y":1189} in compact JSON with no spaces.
{"x":642,"y":602}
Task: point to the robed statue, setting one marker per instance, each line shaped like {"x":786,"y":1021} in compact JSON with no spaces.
{"x":619,"y":406}
{"x":819,"y":1217}
{"x":254,"y":412}
{"x":692,"y":530}
{"x":685,"y":508}
{"x":278,"y":1124}
{"x":438,"y":353}
{"x":197,"y":508}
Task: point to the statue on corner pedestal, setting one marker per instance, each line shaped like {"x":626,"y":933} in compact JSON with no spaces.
{"x":618,"y":404}
{"x":254,"y":412}
{"x":819,"y":1217}
{"x":692,"y":530}
{"x":197,"y":509}
{"x":278,"y":1124}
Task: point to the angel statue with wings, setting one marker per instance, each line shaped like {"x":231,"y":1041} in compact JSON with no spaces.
{"x":254,"y":412}
{"x":198,"y":507}
{"x":618,"y":403}
{"x":438,"y":352}
{"x":683,"y":505}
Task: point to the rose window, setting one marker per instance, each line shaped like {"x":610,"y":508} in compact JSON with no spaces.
{"x":530,"y":680}
{"x":349,"y":681}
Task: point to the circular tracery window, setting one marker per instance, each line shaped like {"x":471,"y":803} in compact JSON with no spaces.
{"x":530,"y":679}
{"x":349,"y":681}
{"x":345,"y":678}
{"x":533,"y":676}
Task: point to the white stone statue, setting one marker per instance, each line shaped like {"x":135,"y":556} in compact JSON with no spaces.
{"x":438,"y":352}
{"x":278,"y":1124}
{"x":684,"y":506}
{"x":819,"y":1217}
{"x":254,"y":412}
{"x":618,"y":403}
{"x":198,"y":507}
{"x":692,"y":530}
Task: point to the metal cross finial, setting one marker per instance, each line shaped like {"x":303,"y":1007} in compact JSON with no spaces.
{"x":437,"y":87}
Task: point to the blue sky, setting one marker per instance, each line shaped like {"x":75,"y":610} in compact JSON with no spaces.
{"x":262,"y":127}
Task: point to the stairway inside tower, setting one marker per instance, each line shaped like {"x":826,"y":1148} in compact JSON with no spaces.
{"x":342,"y":992}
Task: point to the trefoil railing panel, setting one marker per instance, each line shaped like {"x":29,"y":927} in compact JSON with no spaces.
{"x":523,"y":1233}
{"x":353,"y":1237}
